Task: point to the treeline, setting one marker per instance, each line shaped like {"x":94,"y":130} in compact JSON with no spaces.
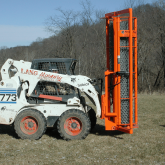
{"x":81,"y":35}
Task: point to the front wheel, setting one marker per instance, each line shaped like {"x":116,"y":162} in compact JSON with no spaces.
{"x":30,"y":124}
{"x":73,"y":124}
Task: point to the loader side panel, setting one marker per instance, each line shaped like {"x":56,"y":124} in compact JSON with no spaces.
{"x":8,"y":101}
{"x":8,"y":96}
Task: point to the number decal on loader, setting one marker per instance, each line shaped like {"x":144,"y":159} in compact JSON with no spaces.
{"x":8,"y":96}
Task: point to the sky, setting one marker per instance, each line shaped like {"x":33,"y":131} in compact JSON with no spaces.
{"x":23,"y":21}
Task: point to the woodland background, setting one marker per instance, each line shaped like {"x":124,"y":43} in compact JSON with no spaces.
{"x":81,"y":35}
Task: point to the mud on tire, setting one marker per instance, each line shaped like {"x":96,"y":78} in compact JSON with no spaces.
{"x":30,"y":124}
{"x":73,"y":124}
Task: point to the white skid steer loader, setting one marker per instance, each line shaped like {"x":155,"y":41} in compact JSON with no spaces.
{"x":46,"y":93}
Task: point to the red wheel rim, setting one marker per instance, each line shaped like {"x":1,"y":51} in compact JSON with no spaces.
{"x":73,"y":126}
{"x":29,"y":125}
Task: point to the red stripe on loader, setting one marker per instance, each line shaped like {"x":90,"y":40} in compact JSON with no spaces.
{"x":50,"y":97}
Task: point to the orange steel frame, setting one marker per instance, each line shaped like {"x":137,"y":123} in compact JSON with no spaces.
{"x":112,"y":115}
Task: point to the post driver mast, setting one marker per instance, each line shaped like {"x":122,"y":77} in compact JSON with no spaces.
{"x":119,"y":103}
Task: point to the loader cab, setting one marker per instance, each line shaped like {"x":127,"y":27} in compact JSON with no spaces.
{"x":54,"y":65}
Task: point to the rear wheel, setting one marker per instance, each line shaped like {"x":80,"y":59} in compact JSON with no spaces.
{"x":73,"y":124}
{"x":30,"y":124}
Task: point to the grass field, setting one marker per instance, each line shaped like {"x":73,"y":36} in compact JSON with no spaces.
{"x":145,"y":146}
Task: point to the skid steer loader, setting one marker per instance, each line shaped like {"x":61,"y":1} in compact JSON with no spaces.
{"x":46,"y":93}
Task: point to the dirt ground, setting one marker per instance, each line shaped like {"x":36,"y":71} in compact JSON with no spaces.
{"x":145,"y":146}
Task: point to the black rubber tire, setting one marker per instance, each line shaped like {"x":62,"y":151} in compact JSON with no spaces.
{"x":38,"y":117}
{"x":81,"y":116}
{"x":92,"y":117}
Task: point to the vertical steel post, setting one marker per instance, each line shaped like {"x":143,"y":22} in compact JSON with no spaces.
{"x":118,"y":69}
{"x":107,"y":42}
{"x":115,"y":97}
{"x":136,"y":78}
{"x":107,"y":108}
{"x":130,"y":72}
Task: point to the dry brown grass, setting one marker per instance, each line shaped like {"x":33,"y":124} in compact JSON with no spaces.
{"x":145,"y":146}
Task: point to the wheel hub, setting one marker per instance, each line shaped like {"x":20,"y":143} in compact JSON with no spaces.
{"x":73,"y":126}
{"x":29,"y":125}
